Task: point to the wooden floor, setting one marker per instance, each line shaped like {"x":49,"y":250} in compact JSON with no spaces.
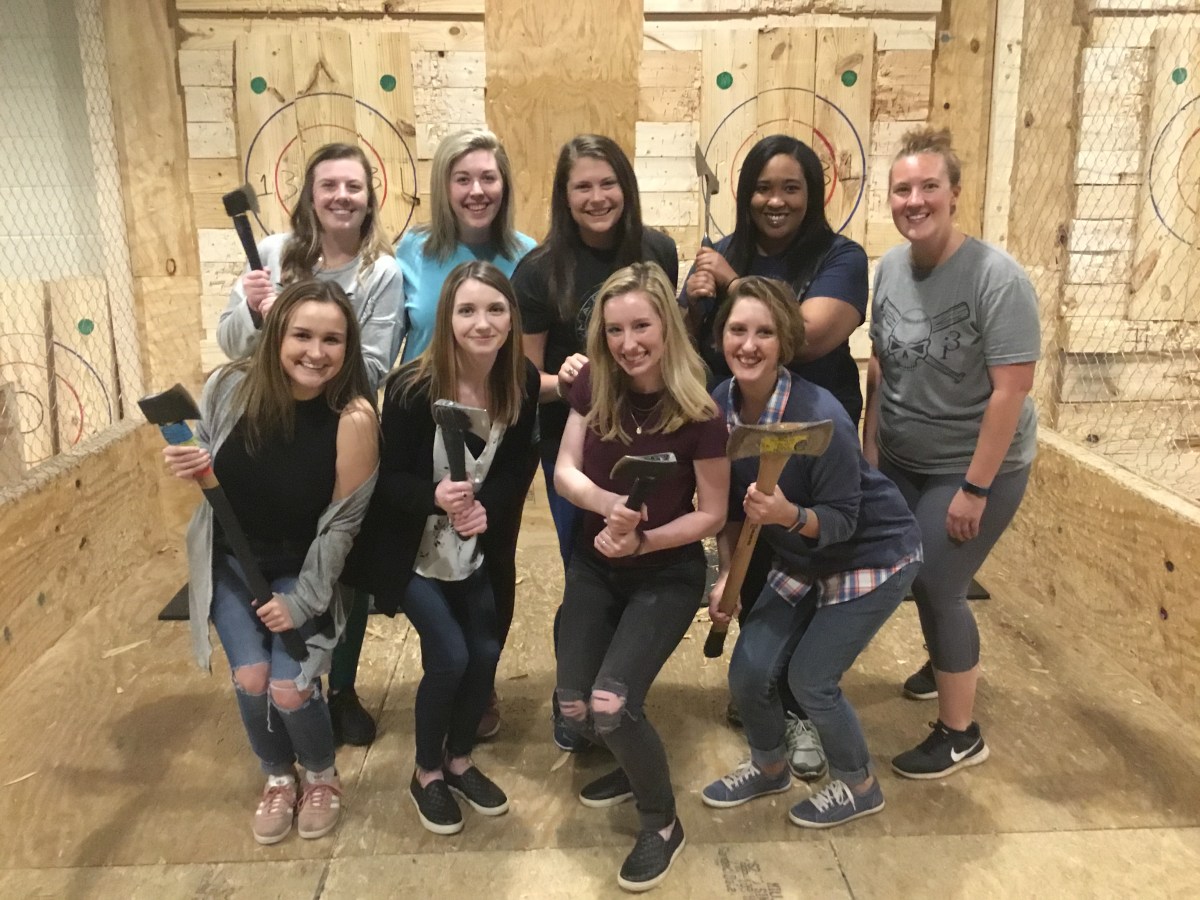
{"x":126,"y":774}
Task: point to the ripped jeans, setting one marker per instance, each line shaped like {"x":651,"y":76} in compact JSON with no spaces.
{"x":618,"y":628}
{"x":278,"y":736}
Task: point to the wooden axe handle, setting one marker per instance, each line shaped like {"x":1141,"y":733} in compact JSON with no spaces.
{"x":769,"y":469}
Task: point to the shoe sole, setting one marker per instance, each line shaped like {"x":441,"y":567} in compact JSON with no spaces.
{"x":972,"y":760}
{"x":804,"y":823}
{"x":729,"y":804}
{"x":919,"y":695}
{"x":606,"y":802}
{"x":571,"y":748}
{"x":482,"y":810}
{"x":313,"y":835}
{"x":484,"y":735}
{"x":809,"y":774}
{"x":268,"y":840}
{"x":637,"y":887}
{"x":434,"y":826}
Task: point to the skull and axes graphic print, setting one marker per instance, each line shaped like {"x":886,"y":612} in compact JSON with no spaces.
{"x":914,"y":338}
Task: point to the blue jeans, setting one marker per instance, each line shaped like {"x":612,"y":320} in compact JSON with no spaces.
{"x":460,"y":648}
{"x":278,"y":737}
{"x":565,"y":514}
{"x":619,"y":626}
{"x":821,"y":643}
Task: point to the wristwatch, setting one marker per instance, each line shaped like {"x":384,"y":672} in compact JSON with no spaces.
{"x":976,"y":490}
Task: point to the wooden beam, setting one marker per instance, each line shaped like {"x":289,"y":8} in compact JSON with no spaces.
{"x":1043,"y":175}
{"x":152,"y":151}
{"x":1103,"y":546}
{"x":543,"y":89}
{"x":962,"y":91}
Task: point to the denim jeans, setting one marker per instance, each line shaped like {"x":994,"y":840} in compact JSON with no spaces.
{"x":278,"y":737}
{"x":619,"y":626}
{"x":460,"y":648}
{"x":565,"y":514}
{"x":821,"y":644}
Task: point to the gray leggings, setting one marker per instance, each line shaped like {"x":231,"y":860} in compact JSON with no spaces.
{"x":941,"y":585}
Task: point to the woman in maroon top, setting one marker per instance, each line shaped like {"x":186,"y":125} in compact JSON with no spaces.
{"x":636,"y":576}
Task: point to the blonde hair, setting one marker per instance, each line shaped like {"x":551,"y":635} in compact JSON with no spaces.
{"x":443,"y":226}
{"x":930,"y":140}
{"x":684,"y":400}
{"x":437,"y":367}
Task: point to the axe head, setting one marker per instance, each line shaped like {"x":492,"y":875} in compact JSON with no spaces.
{"x":456,"y":417}
{"x":644,"y":468}
{"x":240,"y":201}
{"x":172,"y":405}
{"x":709,"y":183}
{"x":783,"y":438}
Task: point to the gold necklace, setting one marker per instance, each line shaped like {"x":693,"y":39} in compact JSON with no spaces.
{"x":638,"y":426}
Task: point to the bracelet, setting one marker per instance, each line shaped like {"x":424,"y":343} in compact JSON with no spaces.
{"x":801,"y":518}
{"x":975,"y":490}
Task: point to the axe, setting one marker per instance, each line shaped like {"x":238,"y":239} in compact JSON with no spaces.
{"x":238,"y":205}
{"x":774,"y":445}
{"x":645,"y":471}
{"x":168,"y":411}
{"x":709,"y":186}
{"x":456,"y":420}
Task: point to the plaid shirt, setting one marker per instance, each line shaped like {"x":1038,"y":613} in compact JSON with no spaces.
{"x":841,"y":586}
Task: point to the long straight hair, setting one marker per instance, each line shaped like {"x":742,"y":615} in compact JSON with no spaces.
{"x":303,"y":249}
{"x":564,"y":239}
{"x":684,"y":398}
{"x":443,"y":226}
{"x":436,"y":370}
{"x":814,"y":236}
{"x":266,"y":392}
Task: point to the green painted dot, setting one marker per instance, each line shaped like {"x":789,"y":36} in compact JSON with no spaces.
{"x":1179,"y":76}
{"x":849,"y":77}
{"x":724,"y":81}
{"x":258,"y":84}
{"x":86,"y":326}
{"x":388,"y":82}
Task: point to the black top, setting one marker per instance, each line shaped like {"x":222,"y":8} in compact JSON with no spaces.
{"x":280,"y":492}
{"x":382,"y":559}
{"x":540,"y":313}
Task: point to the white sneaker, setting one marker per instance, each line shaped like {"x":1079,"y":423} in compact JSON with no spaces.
{"x":805,"y":756}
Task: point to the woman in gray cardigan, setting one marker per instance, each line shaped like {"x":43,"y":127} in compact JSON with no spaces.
{"x":292,"y":436}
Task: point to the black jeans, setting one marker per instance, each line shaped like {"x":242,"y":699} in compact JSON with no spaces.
{"x":460,"y":648}
{"x":619,"y":626}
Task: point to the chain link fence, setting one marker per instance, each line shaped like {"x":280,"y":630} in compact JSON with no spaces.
{"x":1109,"y":144}
{"x":69,"y":362}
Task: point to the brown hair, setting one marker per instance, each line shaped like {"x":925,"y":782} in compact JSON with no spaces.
{"x":780,"y":301}
{"x":930,"y":140}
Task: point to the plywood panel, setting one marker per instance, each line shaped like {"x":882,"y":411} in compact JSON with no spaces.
{"x":267,"y":124}
{"x":728,"y":117}
{"x":541,"y":91}
{"x":26,"y":364}
{"x":84,"y":368}
{"x":1169,"y":220}
{"x":844,"y":78}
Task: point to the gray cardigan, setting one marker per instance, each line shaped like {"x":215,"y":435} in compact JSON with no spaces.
{"x":317,"y":588}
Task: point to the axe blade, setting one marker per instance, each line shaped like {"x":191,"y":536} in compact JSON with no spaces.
{"x":172,"y":405}
{"x":783,"y":438}
{"x":653,"y":465}
{"x":451,"y":415}
{"x":240,"y":201}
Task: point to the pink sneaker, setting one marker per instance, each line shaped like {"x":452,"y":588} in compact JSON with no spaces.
{"x":320,"y":805}
{"x":273,"y":818}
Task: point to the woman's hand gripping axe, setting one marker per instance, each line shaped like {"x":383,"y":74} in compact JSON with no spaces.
{"x":774,"y":445}
{"x":170,"y":411}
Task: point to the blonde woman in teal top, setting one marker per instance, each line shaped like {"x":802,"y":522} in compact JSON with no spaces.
{"x":472,"y":219}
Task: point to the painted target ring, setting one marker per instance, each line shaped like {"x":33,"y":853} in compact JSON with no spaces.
{"x":829,"y":149}
{"x":1174,"y":195}
{"x":282,"y":177}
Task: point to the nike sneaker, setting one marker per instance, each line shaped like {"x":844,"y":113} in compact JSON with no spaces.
{"x":945,"y":751}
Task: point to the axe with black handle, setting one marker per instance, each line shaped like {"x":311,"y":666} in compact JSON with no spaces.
{"x":170,"y":411}
{"x":774,"y":445}
{"x":645,"y":471}
{"x":238,"y":206}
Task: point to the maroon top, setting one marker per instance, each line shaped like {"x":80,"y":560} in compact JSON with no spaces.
{"x":670,"y":497}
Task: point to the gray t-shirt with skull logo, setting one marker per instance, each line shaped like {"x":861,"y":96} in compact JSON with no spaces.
{"x":935,"y":334}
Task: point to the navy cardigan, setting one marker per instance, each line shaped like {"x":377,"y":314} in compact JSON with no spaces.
{"x":385,"y":551}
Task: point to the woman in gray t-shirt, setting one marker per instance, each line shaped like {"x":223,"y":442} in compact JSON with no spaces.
{"x":954,"y":334}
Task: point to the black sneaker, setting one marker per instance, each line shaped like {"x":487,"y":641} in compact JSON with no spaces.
{"x":478,"y":790}
{"x":650,"y":859}
{"x":566,"y":739}
{"x":607,"y":790}
{"x":921,"y":685}
{"x":436,"y":807}
{"x":943,"y":752}
{"x":352,"y":724}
